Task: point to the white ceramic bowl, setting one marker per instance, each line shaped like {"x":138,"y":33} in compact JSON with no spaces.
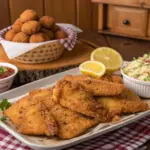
{"x":6,"y":83}
{"x":141,"y":88}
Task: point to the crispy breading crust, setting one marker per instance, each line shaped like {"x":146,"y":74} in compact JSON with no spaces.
{"x":30,"y":116}
{"x":74,"y":96}
{"x":98,"y":87}
{"x":71,"y":123}
{"x":112,"y":78}
{"x":107,"y":77}
{"x":128,"y":102}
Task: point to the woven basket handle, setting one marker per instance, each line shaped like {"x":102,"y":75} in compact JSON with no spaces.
{"x":69,"y":42}
{"x":1,"y":36}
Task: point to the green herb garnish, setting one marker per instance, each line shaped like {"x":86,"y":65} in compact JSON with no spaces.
{"x":3,"y":69}
{"x":4,"y":104}
{"x":3,"y":118}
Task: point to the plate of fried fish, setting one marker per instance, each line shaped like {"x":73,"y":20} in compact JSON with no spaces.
{"x":69,"y":108}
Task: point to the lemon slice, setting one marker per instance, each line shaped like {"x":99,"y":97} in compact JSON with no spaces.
{"x":109,"y":57}
{"x":93,"y":68}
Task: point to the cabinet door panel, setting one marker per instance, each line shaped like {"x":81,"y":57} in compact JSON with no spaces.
{"x":130,"y":21}
{"x":136,"y":3}
{"x":147,"y":3}
{"x":84,"y":14}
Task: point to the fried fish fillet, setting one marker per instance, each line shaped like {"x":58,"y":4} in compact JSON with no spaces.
{"x":107,"y":77}
{"x":75,"y":97}
{"x":126,"y":103}
{"x":112,"y":78}
{"x":128,"y":95}
{"x":14,"y":113}
{"x":44,"y":96}
{"x":71,"y":123}
{"x":98,"y":87}
{"x":38,"y":121}
{"x":31,"y":117}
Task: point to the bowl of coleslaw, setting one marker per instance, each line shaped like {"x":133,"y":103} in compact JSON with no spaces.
{"x":136,"y":75}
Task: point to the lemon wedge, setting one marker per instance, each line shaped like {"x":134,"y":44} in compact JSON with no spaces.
{"x":93,"y":68}
{"x":109,"y":57}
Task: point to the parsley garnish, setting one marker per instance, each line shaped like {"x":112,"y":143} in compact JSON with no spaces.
{"x":3,"y":69}
{"x":3,"y":118}
{"x":4,"y":104}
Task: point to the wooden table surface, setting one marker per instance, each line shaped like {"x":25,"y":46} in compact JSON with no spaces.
{"x":127,"y":47}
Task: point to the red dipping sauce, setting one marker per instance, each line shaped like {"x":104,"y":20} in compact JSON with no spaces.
{"x":6,"y":72}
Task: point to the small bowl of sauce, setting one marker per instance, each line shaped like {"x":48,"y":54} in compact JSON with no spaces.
{"x":7,"y":74}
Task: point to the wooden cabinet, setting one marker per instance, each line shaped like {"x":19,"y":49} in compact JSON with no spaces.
{"x":146,"y":3}
{"x":135,"y":3}
{"x":148,"y":28}
{"x":124,"y":17}
{"x":130,"y":21}
{"x":4,"y":14}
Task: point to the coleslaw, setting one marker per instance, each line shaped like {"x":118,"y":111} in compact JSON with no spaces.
{"x":139,"y":68}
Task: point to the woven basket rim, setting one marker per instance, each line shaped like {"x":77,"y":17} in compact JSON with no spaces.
{"x":53,"y":52}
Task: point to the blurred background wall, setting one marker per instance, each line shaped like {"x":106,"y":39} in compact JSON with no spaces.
{"x":78,"y":12}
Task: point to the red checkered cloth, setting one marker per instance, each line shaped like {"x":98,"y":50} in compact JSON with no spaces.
{"x":130,"y":137}
{"x":68,"y":42}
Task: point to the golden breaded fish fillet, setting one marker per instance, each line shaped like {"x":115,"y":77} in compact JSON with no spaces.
{"x":14,"y":113}
{"x":38,"y":121}
{"x":75,"y":97}
{"x":71,"y":123}
{"x":112,"y":78}
{"x":98,"y":87}
{"x":126,"y":103}
{"x":107,"y":77}
{"x":31,"y":117}
{"x":128,"y":95}
{"x":44,"y":96}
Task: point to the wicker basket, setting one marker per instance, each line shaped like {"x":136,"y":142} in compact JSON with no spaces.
{"x":42,"y":54}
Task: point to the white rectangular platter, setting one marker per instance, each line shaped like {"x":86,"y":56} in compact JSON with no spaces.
{"x":45,"y":143}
